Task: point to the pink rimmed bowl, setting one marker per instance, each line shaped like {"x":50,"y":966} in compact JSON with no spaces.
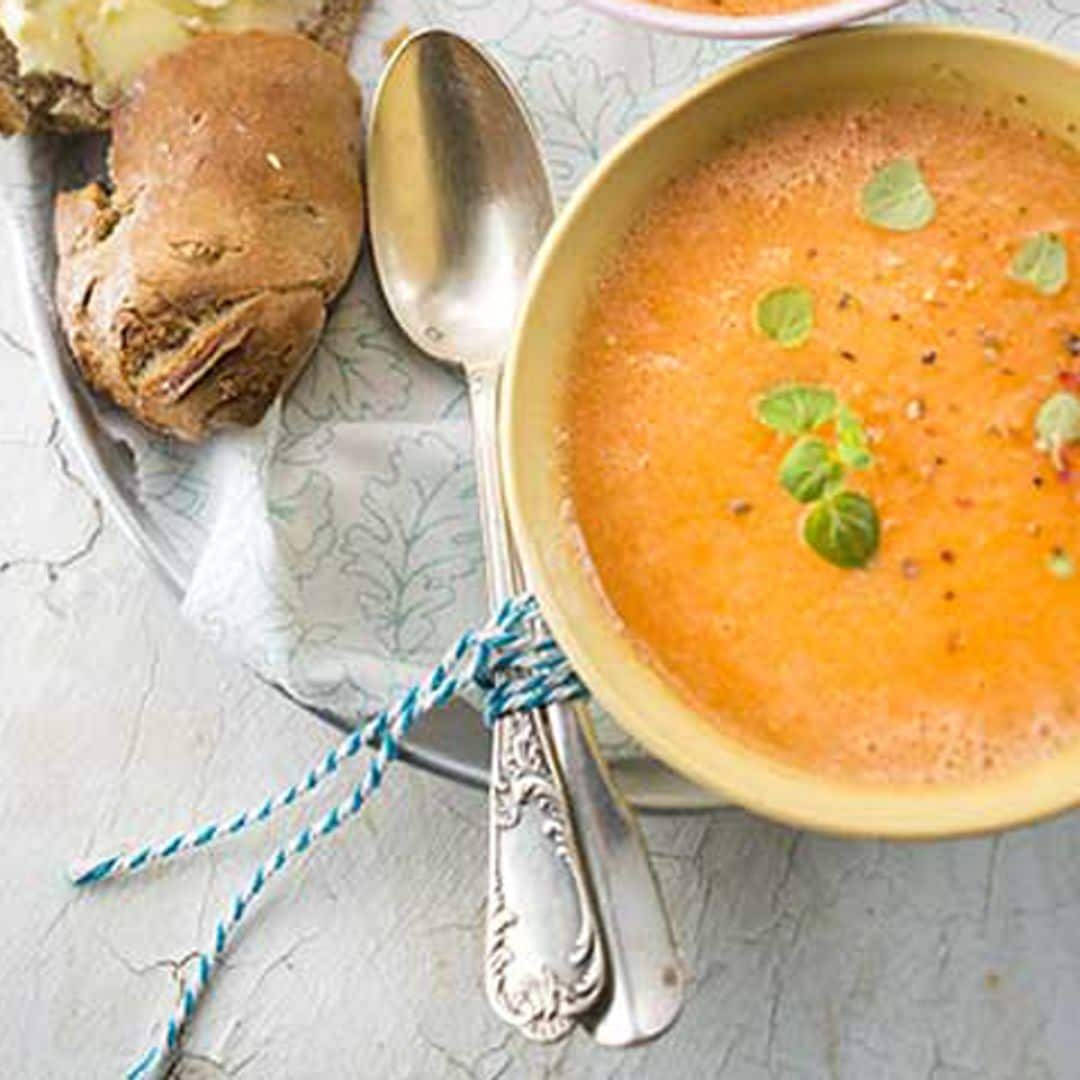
{"x":782,"y":24}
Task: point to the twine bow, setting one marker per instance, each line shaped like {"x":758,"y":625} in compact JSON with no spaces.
{"x":513,"y":660}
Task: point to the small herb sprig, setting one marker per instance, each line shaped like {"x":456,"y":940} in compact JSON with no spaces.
{"x":1057,"y":427}
{"x":897,"y":198}
{"x":1060,"y":563}
{"x":785,"y":315}
{"x":840,"y":525}
{"x":1043,"y":263}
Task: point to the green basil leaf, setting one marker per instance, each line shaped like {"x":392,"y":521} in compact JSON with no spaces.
{"x":1060,"y":563}
{"x":843,"y":529}
{"x":809,"y":470}
{"x":786,"y":315}
{"x":896,"y":198}
{"x":1043,"y":263}
{"x":1057,"y":425}
{"x":851,"y":441}
{"x":796,"y":409}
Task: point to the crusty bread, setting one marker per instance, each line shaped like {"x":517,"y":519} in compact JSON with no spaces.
{"x":196,"y":291}
{"x":50,"y":102}
{"x":31,"y":103}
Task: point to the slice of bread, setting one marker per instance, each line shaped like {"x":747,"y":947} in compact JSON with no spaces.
{"x":37,"y":102}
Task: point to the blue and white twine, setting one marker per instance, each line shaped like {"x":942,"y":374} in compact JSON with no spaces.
{"x":513,"y":660}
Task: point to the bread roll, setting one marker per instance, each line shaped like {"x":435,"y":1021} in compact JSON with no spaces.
{"x":195,"y":291}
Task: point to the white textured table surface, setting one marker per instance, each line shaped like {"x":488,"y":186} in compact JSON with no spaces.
{"x":811,"y":957}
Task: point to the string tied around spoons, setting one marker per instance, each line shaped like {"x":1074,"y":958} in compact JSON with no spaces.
{"x":515,"y":663}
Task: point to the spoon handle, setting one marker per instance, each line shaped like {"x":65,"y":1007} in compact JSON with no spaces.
{"x":647,"y":977}
{"x":545,"y":965}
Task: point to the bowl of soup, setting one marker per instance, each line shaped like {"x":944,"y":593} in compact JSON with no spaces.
{"x":742,"y":18}
{"x":791,"y":432}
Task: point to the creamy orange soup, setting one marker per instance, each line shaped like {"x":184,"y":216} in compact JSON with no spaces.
{"x":740,"y":7}
{"x":956,"y":651}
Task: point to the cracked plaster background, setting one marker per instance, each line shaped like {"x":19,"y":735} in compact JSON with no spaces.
{"x":811,"y":957}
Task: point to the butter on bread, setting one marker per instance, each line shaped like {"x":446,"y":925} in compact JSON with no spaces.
{"x":64,"y":63}
{"x":195,"y":291}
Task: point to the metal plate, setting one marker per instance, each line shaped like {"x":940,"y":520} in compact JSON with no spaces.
{"x":452,"y":743}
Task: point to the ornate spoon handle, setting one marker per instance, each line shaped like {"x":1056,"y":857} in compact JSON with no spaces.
{"x":545,"y":962}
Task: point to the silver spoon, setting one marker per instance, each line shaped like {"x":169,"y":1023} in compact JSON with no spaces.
{"x":459,"y":202}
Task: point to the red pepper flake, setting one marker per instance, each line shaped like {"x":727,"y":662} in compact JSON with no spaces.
{"x":1070,"y":380}
{"x":848,"y":355}
{"x":1072,"y":344}
{"x":845,"y":301}
{"x":948,"y":557}
{"x":740,"y":507}
{"x":965,"y":502}
{"x":949,"y":595}
{"x":1037,"y":481}
{"x":929,"y":357}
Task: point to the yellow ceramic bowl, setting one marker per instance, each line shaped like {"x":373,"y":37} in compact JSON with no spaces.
{"x":1008,"y":74}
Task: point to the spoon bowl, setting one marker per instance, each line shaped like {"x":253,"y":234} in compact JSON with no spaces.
{"x":453,"y":270}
